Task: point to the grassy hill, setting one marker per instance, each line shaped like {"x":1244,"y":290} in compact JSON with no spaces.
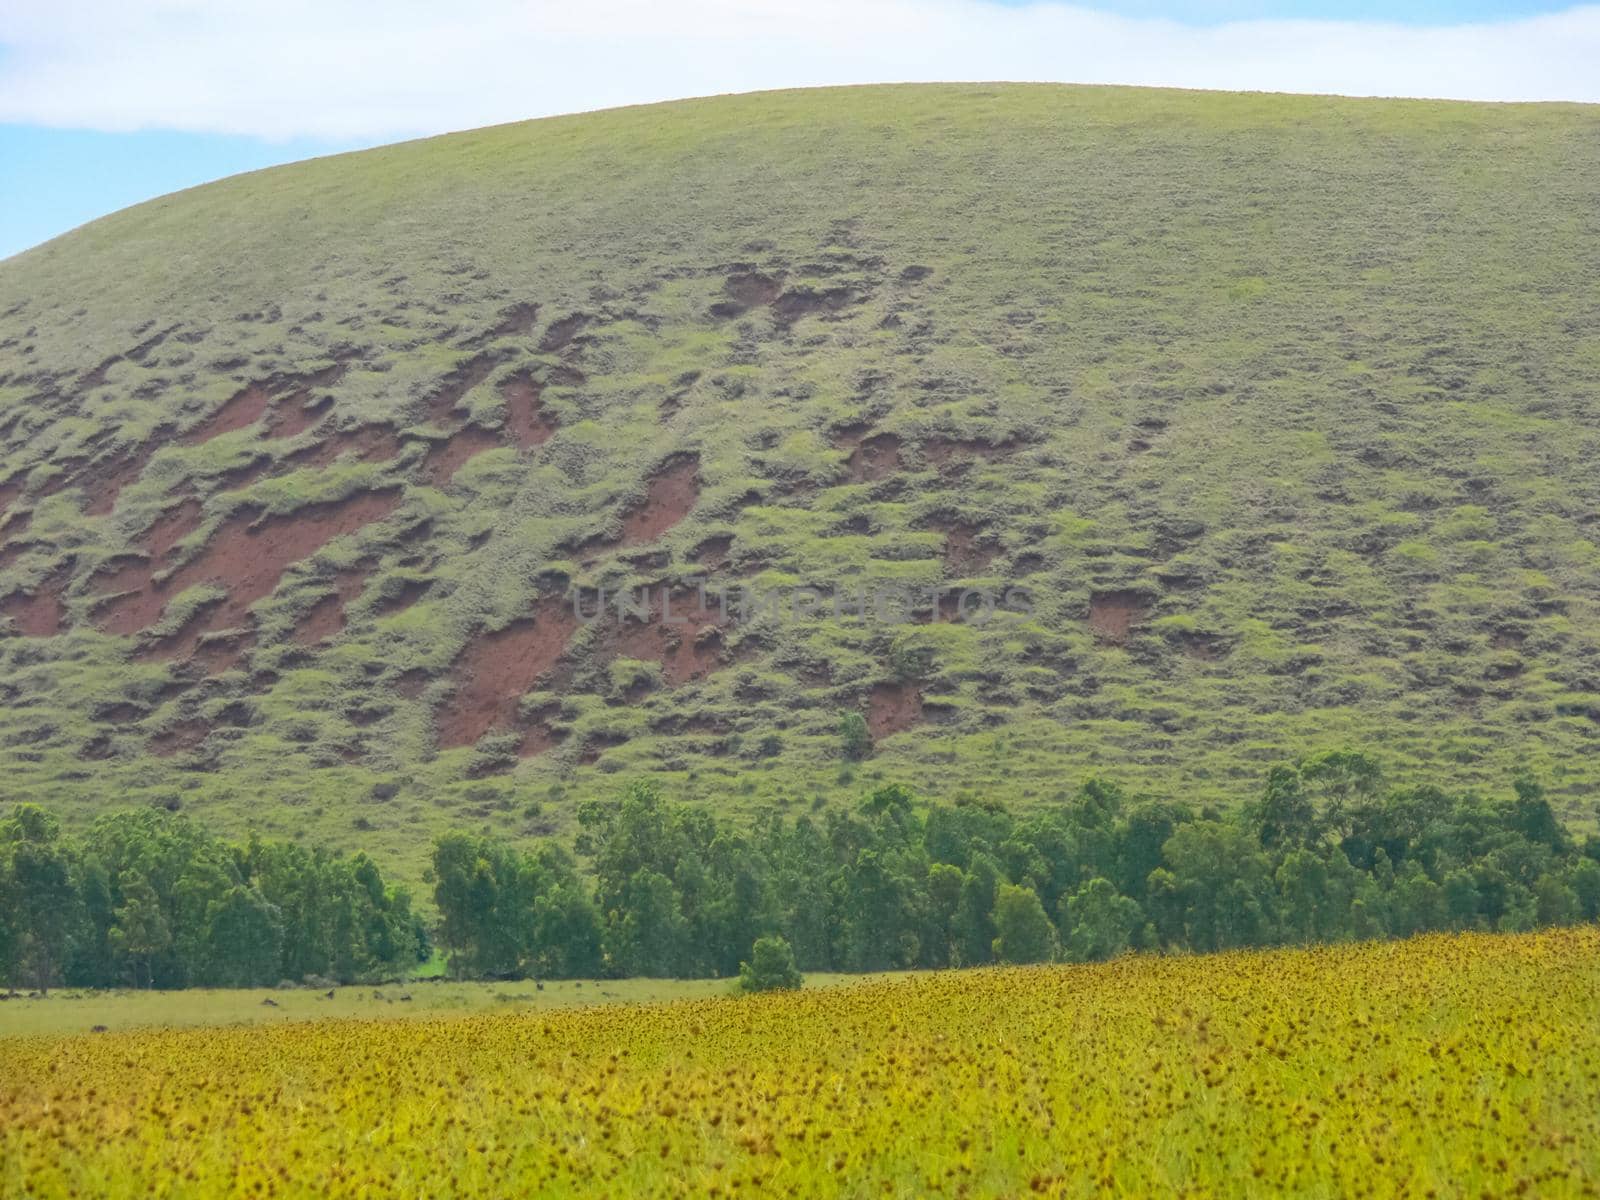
{"x":1283,"y":410}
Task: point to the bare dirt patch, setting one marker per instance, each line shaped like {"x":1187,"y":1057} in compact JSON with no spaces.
{"x":892,"y":708}
{"x":105,"y":483}
{"x":495,"y":670}
{"x":714,"y":552}
{"x":1113,"y":615}
{"x":964,"y":554}
{"x":517,"y":320}
{"x":806,"y":302}
{"x":246,"y":556}
{"x":326,"y":617}
{"x":171,"y":527}
{"x":38,"y":613}
{"x":9,"y":491}
{"x":562,"y":332}
{"x":527,"y":424}
{"x":871,"y":458}
{"x":297,"y":413}
{"x":369,"y":443}
{"x":746,"y":290}
{"x":239,"y":411}
{"x":447,"y":397}
{"x":670,"y":497}
{"x":449,"y":455}
{"x":539,"y":739}
{"x":212,"y":653}
{"x":682,"y":636}
{"x":179,"y":738}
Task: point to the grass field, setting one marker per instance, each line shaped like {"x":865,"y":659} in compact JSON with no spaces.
{"x":1283,"y":409}
{"x":1445,"y":1066}
{"x":71,"y":1011}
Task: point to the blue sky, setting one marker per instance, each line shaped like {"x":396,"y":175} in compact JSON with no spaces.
{"x":104,"y":103}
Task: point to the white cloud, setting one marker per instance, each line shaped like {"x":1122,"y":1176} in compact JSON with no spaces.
{"x":279,"y":68}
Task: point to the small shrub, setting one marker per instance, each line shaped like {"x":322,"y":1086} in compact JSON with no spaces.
{"x":771,"y":967}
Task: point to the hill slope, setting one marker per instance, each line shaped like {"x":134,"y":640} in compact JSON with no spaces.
{"x":1282,"y":410}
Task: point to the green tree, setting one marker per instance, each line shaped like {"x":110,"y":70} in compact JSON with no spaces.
{"x":1216,"y":885}
{"x":854,"y":740}
{"x":42,"y":901}
{"x":651,"y":938}
{"x":771,"y":967}
{"x":140,"y":932}
{"x":974,"y":924}
{"x":245,"y":939}
{"x":1284,"y":813}
{"x":1097,"y":923}
{"x":1584,"y":880}
{"x":1024,"y":933}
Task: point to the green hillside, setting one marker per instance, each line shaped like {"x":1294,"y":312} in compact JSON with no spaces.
{"x":1283,"y":411}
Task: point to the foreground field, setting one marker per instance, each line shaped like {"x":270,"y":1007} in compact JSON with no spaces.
{"x":1446,"y":1065}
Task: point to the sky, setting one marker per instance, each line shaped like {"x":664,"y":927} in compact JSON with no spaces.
{"x":104,"y":103}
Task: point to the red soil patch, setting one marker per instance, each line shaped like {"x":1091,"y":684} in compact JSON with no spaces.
{"x":97,"y":377}
{"x":102,"y":493}
{"x":963,"y":554}
{"x":247,"y":557}
{"x":713,"y":552}
{"x":891,"y":708}
{"x":527,"y":424}
{"x":294,"y":415}
{"x":121,"y":575}
{"x":516,"y":320}
{"x":495,"y":670}
{"x":746,"y":290}
{"x":369,"y":443}
{"x":240,"y":411}
{"x":671,"y":496}
{"x":459,"y":382}
{"x":240,"y":478}
{"x":681,"y":635}
{"x":9,"y":491}
{"x":15,"y":546}
{"x":598,"y":744}
{"x":171,"y":527}
{"x":191,"y":644}
{"x":183,"y":736}
{"x":1112,"y":615}
{"x":327,"y":616}
{"x":542,"y":735}
{"x":448,"y":456}
{"x":805,"y":302}
{"x":562,"y":332}
{"x":752,"y":288}
{"x":539,"y":738}
{"x":871,"y":458}
{"x":39,"y":613}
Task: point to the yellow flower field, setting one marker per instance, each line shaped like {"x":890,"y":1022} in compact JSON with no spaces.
{"x":1464,"y":1065}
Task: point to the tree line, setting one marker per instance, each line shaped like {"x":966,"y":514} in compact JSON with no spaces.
{"x":1325,"y":851}
{"x":149,"y":899}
